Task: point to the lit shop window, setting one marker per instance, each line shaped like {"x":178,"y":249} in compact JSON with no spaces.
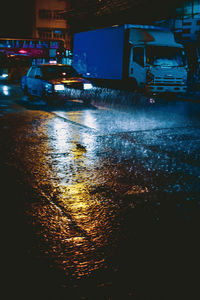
{"x":45,"y":33}
{"x":59,"y":34}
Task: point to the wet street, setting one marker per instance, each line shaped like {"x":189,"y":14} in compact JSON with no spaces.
{"x":100,"y":201}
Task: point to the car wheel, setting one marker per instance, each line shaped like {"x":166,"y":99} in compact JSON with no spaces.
{"x":47,"y":98}
{"x":87,"y":101}
{"x":27,"y":93}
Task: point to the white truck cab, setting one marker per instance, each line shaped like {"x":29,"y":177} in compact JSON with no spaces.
{"x":157,"y":63}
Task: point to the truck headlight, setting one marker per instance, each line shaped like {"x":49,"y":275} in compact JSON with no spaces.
{"x":59,"y":87}
{"x":87,"y":86}
{"x":150,"y":77}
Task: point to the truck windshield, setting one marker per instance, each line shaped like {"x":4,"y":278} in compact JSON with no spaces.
{"x":167,"y":56}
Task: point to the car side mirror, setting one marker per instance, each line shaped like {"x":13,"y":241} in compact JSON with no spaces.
{"x":37,"y":76}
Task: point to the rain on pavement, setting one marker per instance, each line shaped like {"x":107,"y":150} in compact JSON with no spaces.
{"x":101,"y":202}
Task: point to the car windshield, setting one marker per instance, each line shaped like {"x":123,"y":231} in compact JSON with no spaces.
{"x":168,"y":56}
{"x":52,"y":72}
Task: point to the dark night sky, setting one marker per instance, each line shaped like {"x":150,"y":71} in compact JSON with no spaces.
{"x":15,"y":18}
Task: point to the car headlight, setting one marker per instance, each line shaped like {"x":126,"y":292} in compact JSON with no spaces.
{"x":87,"y":86}
{"x":59,"y":87}
{"x":48,"y":87}
{"x":4,"y":75}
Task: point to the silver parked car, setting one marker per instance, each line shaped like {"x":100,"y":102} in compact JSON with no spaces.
{"x":55,"y":81}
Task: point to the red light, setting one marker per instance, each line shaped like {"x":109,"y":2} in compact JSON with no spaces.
{"x":22,"y":51}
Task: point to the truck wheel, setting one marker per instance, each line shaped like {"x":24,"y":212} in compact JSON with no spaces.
{"x":134,"y":86}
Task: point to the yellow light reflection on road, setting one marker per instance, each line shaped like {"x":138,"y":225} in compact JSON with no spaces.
{"x":73,"y":217}
{"x":75,"y":223}
{"x":60,"y":136}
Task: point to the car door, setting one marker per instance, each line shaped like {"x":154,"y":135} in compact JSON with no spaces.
{"x":30,"y":80}
{"x":38,"y":82}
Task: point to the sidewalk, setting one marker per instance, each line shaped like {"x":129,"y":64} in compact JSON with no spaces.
{"x":192,"y":95}
{"x":193,"y":92}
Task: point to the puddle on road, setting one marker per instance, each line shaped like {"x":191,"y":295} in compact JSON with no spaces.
{"x":84,"y":185}
{"x":113,"y":121}
{"x":75,"y":224}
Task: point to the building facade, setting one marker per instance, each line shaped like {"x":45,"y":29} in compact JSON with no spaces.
{"x":49,"y":22}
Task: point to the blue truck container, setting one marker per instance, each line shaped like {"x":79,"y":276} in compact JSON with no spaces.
{"x":99,"y":53}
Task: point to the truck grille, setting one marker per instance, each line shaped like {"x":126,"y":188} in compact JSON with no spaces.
{"x":168,"y":81}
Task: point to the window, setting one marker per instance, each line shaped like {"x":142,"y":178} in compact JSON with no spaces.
{"x":169,"y":56}
{"x":54,"y":71}
{"x":196,"y":9}
{"x":190,"y":9}
{"x":138,"y":55}
{"x":187,"y":23}
{"x":59,"y":34}
{"x":3,"y":43}
{"x":57,"y":15}
{"x":25,"y":44}
{"x":38,"y":72}
{"x":187,"y":30}
{"x":32,"y":44}
{"x":51,"y":14}
{"x":45,"y":14}
{"x":54,"y":44}
{"x":187,"y":9}
{"x":44,"y":33}
{"x":31,"y":72}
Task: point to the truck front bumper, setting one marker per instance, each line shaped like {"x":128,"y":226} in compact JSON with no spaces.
{"x":166,"y":88}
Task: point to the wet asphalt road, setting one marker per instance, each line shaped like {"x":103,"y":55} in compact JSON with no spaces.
{"x":100,"y":201}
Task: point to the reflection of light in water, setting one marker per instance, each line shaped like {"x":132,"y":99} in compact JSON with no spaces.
{"x":78,"y":220}
{"x":75,"y":219}
{"x":60,"y":136}
{"x":5,"y":90}
{"x":89,"y":120}
{"x":79,"y":232}
{"x":84,"y":137}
